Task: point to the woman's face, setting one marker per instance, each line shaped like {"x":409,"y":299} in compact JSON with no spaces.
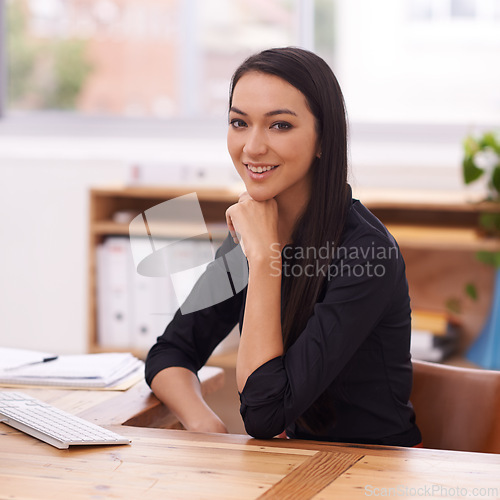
{"x":272,"y":137}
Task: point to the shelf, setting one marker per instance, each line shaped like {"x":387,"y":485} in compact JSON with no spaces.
{"x":228,"y":194}
{"x":427,"y":200}
{"x":442,"y":238}
{"x":104,"y":228}
{"x":438,"y":238}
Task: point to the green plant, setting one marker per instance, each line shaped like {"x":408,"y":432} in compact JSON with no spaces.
{"x":482,"y":157}
{"x":70,"y":69}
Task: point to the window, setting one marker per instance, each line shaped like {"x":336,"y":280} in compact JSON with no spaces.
{"x":421,"y":61}
{"x":145,"y":58}
{"x":414,"y":72}
{"x":453,"y":10}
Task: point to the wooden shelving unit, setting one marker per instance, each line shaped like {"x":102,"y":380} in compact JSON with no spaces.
{"x":105,"y":202}
{"x":438,"y":240}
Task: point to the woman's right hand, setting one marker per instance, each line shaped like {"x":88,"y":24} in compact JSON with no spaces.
{"x":254,"y":224}
{"x":208,"y":422}
{"x":179,"y":389}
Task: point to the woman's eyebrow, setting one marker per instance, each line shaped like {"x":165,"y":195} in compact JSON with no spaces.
{"x":236,"y":110}
{"x":283,"y":111}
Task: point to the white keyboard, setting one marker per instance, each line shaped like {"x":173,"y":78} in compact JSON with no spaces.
{"x":51,"y":425}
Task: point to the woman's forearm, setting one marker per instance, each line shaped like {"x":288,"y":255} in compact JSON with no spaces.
{"x":261,"y":337}
{"x":180,"y":390}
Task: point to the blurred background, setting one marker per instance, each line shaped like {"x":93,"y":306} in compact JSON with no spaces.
{"x":92,"y":90}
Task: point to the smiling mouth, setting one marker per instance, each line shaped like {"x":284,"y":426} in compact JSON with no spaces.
{"x":260,"y":170}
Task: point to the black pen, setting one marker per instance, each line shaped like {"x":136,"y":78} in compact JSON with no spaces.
{"x":44,"y":360}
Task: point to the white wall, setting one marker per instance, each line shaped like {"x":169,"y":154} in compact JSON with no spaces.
{"x":43,"y":231}
{"x":44,"y":185}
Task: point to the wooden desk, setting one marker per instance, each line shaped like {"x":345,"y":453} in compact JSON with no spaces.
{"x":171,"y":464}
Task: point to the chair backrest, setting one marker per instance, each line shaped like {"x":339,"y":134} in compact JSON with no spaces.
{"x":457,"y":408}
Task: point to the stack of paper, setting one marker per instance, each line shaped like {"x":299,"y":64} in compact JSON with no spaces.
{"x":433,"y":336}
{"x":87,"y":371}
{"x":11,"y":358}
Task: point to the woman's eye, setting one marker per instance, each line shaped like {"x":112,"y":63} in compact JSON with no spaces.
{"x":237,"y":123}
{"x":281,"y":126}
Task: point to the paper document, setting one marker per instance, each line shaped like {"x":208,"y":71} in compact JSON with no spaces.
{"x":84,"y":371}
{"x":11,"y":358}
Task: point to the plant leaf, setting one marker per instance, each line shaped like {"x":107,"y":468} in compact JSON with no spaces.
{"x":470,"y":171}
{"x":454,"y":305}
{"x":496,"y":259}
{"x":471,"y":147}
{"x":489,"y":141}
{"x":471,"y":291}
{"x":489,"y":258}
{"x":490,"y":222}
{"x":495,"y":179}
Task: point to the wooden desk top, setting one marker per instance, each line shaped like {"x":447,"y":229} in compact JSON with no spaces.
{"x":171,"y":464}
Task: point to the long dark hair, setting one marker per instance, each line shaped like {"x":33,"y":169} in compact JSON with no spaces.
{"x":322,"y":222}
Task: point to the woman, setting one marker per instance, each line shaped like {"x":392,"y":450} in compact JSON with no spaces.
{"x":325,"y":317}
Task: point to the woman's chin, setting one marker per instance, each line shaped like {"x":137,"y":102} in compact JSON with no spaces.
{"x":259,"y":193}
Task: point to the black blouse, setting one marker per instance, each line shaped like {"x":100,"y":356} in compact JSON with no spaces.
{"x":356,"y":345}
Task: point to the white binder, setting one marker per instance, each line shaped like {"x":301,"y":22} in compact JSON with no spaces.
{"x":114,"y":300}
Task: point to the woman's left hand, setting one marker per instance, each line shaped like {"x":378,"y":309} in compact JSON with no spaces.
{"x":254,"y":224}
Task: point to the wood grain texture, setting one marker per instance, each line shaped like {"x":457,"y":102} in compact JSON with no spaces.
{"x":170,"y":464}
{"x":153,"y":466}
{"x":414,"y":478}
{"x":162,"y":463}
{"x":310,"y":477}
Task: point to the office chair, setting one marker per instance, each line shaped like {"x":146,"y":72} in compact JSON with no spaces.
{"x":457,"y":408}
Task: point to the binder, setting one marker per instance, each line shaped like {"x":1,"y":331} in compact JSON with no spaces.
{"x":102,"y":294}
{"x":152,"y":305}
{"x":133,"y":310}
{"x":189,"y":260}
{"x":114,"y":299}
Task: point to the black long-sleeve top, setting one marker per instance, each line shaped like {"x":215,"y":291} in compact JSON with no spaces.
{"x":355,"y":345}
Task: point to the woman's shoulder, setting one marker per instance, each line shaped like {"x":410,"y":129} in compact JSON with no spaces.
{"x":364,"y":228}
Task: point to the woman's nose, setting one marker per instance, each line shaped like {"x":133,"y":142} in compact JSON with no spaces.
{"x":256,"y":143}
